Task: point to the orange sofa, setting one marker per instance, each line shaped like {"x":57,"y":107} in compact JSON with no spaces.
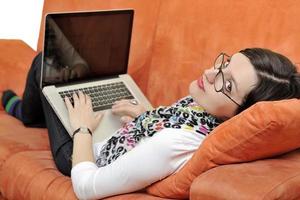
{"x":173,"y":42}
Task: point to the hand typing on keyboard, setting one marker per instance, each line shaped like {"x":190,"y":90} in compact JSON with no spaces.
{"x":127,"y":110}
{"x":81,"y":114}
{"x":102,"y":96}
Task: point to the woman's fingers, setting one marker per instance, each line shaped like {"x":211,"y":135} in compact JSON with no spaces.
{"x":89,"y":102}
{"x":76,"y":100}
{"x":88,"y":99}
{"x":122,"y":102}
{"x":68,"y":104}
{"x":125,"y":109}
{"x":82,"y":112}
{"x":82,"y":99}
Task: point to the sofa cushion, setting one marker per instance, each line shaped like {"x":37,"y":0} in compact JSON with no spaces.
{"x":15,"y":137}
{"x":15,"y":59}
{"x":264,"y":130}
{"x":276,"y":178}
{"x":135,"y":196}
{"x":33,"y":175}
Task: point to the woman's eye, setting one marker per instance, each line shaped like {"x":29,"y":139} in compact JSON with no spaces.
{"x":226,"y":63}
{"x":228,"y":86}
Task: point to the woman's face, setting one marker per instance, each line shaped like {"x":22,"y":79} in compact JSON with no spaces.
{"x":239,"y":79}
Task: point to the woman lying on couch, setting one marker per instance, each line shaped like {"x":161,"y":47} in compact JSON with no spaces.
{"x":152,"y":144}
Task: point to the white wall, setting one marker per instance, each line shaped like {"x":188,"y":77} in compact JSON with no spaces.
{"x":20,"y":19}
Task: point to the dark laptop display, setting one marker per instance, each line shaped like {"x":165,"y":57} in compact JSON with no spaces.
{"x":82,"y":46}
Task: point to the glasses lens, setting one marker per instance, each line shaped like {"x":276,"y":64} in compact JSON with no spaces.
{"x":219,"y":61}
{"x":219,"y":81}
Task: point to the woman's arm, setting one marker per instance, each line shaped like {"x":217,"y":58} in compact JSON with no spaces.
{"x":82,"y":115}
{"x":151,"y":160}
{"x":82,"y":148}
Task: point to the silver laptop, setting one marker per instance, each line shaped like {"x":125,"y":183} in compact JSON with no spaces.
{"x":89,"y":51}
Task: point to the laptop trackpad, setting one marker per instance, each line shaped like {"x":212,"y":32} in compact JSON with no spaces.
{"x":109,"y":124}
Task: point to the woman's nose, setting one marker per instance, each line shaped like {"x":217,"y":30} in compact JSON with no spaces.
{"x":211,"y":75}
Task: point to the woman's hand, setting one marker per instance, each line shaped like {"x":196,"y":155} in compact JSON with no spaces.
{"x":82,"y":115}
{"x":126,"y":110}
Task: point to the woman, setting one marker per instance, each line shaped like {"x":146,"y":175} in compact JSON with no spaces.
{"x":154,"y":144}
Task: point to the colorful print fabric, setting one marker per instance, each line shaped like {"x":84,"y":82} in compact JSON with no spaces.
{"x":184,"y":114}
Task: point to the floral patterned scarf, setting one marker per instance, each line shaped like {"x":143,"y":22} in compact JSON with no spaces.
{"x":184,"y":114}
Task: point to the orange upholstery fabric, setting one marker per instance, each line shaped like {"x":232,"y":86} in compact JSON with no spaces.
{"x":15,"y":138}
{"x":27,"y":170}
{"x":19,"y":184}
{"x":246,"y":137}
{"x":190,"y":34}
{"x":16,"y":57}
{"x":173,"y":42}
{"x":276,"y":178}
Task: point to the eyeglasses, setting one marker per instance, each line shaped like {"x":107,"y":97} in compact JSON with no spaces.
{"x":219,"y":82}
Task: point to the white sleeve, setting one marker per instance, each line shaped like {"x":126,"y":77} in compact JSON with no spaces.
{"x":151,"y":160}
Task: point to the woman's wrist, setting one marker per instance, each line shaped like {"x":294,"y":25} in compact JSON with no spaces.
{"x":82,"y":130}
{"x":82,"y":148}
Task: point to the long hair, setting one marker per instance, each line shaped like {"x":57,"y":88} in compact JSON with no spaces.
{"x":278,"y":77}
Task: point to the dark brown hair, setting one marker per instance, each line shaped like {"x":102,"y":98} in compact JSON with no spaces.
{"x":278,"y":77}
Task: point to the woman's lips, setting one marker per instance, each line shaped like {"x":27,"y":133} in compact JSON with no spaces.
{"x":200,"y":83}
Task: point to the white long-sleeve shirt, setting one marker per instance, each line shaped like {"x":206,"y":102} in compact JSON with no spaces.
{"x":153,"y":159}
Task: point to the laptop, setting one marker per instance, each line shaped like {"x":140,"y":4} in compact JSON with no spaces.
{"x":88,"y":52}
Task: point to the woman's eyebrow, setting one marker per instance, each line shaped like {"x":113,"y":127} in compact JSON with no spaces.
{"x":234,"y":80}
{"x":232,"y":77}
{"x":235,"y":83}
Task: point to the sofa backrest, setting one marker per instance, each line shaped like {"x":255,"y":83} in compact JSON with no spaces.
{"x":143,"y":31}
{"x":174,"y":41}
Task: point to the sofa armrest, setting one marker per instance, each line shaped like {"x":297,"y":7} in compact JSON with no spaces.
{"x":277,"y":178}
{"x":15,"y":60}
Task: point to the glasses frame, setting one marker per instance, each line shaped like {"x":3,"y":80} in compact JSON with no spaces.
{"x":220,"y":72}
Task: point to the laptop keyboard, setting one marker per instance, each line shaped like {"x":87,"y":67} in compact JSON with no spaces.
{"x":102,"y":96}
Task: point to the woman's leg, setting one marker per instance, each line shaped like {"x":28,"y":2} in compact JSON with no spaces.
{"x":28,"y":109}
{"x":33,"y":106}
{"x":60,"y":142}
{"x":32,"y":110}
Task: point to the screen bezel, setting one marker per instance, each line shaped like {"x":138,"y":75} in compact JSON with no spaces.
{"x":100,"y":12}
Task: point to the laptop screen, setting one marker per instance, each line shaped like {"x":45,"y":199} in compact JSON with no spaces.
{"x":86,"y":45}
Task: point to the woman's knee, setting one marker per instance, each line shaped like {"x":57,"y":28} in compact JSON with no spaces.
{"x":63,"y":158}
{"x":37,"y":65}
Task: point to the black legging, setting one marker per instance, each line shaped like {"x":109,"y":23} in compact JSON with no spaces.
{"x":36,"y":112}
